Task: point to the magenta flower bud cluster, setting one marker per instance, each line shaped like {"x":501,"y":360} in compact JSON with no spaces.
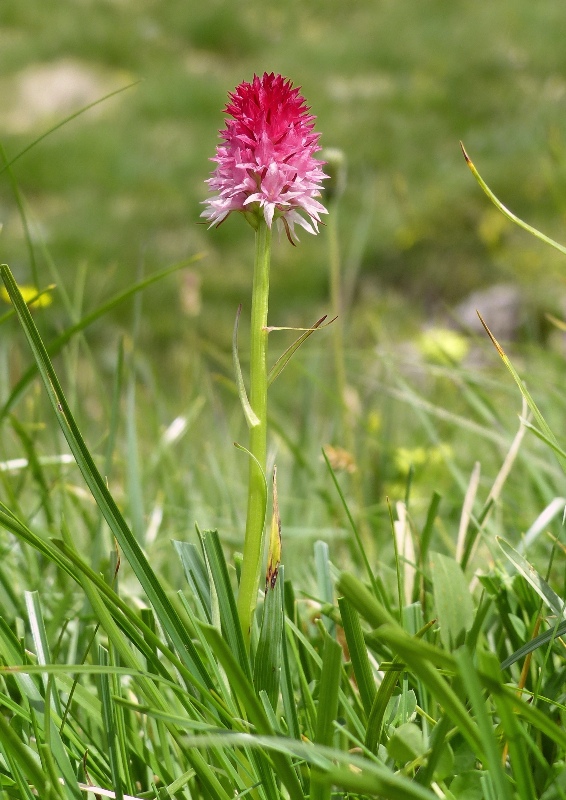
{"x":266,"y":163}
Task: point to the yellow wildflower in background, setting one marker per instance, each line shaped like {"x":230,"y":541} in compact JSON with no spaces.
{"x":443,"y":345}
{"x":31,"y":296}
{"x":407,"y":457}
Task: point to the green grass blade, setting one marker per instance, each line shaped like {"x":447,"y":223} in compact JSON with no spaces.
{"x":534,"y":644}
{"x":560,"y":452}
{"x":11,"y":523}
{"x":287,"y":691}
{"x":327,"y":710}
{"x":133,"y":626}
{"x":133,"y":552}
{"x":55,"y":346}
{"x":358,"y":653}
{"x":39,"y":636}
{"x":349,"y":711}
{"x":19,"y":780}
{"x":347,"y":771}
{"x":364,"y":601}
{"x":256,"y":713}
{"x":426,"y":534}
{"x":529,"y":573}
{"x":133,"y":470}
{"x":384,"y":695}
{"x":505,"y":211}
{"x":361,"y":549}
{"x":196,"y":575}
{"x":543,"y":425}
{"x":285,"y":357}
{"x":514,"y":734}
{"x":491,"y":753}
{"x":227,"y":604}
{"x":22,"y":755}
{"x":64,"y":121}
{"x":324,"y":582}
{"x":416,"y":657}
{"x":379,"y":706}
{"x":530,"y":713}
{"x":268,"y":657}
{"x":110,"y":727}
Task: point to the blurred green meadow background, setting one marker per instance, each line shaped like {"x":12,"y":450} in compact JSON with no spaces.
{"x":115,"y":194}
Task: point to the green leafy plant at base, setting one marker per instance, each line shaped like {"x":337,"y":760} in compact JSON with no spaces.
{"x":172,"y":704}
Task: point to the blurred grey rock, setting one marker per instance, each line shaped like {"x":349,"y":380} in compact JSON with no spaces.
{"x":501,"y":305}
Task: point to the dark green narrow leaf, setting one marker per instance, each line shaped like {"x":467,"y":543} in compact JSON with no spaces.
{"x":379,"y":707}
{"x":244,"y":689}
{"x":195,"y":573}
{"x":358,"y":653}
{"x":533,"y":715}
{"x":364,"y":601}
{"x":530,"y":574}
{"x":491,"y":752}
{"x":19,"y":781}
{"x":437,"y":746}
{"x":327,"y":711}
{"x":515,"y":735}
{"x":327,"y":708}
{"x":11,"y":654}
{"x":324,"y":582}
{"x":426,"y":534}
{"x":384,"y":695}
{"x":534,"y":644}
{"x":417,"y":657}
{"x":227,"y":604}
{"x":24,"y":758}
{"x":287,"y":692}
{"x":109,"y":721}
{"x":133,"y":552}
{"x":268,"y":657}
{"x":356,"y":775}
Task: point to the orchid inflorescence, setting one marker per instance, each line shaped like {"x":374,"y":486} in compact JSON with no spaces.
{"x":266,"y":164}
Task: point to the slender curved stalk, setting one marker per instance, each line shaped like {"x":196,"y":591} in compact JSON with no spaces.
{"x":253,"y":542}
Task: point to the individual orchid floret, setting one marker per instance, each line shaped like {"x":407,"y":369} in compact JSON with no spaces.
{"x":265,"y":163}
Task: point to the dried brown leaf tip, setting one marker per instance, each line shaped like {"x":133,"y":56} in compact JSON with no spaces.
{"x":491,"y":336}
{"x":274,"y":556}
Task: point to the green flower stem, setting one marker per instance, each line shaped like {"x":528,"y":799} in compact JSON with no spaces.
{"x":253,"y":542}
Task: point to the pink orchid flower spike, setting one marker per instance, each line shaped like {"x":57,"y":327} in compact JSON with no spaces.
{"x":265,"y":163}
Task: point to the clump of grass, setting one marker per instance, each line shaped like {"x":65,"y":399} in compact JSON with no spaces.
{"x":365,"y":690}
